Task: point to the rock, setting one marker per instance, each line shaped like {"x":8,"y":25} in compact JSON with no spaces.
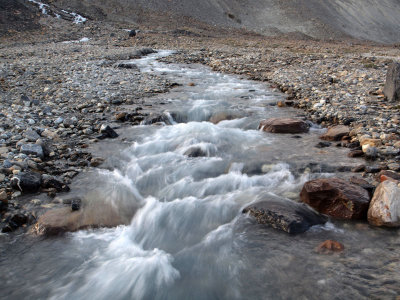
{"x":15,"y":222}
{"x":336,"y":133}
{"x":3,"y":201}
{"x":62,"y":220}
{"x":284,"y":125}
{"x":364,"y":184}
{"x":132,"y":33}
{"x":355,"y":153}
{"x":285,"y":215}
{"x":384,"y":209}
{"x":107,"y":132}
{"x":392,"y":85}
{"x":222,"y":116}
{"x":329,"y":247}
{"x":371,"y":152}
{"x":195,"y":152}
{"x":32,"y":149}
{"x":53,"y":183}
{"x":96,"y":161}
{"x":390,"y":174}
{"x":323,"y":144}
{"x":27,"y":182}
{"x":127,"y":65}
{"x":121,"y":117}
{"x":31,"y":135}
{"x":336,"y":197}
{"x":76,"y":204}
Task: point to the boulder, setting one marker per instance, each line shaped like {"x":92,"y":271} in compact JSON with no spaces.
{"x":67,"y":219}
{"x":32,"y":149}
{"x":284,"y":125}
{"x":336,"y":197}
{"x":336,"y":133}
{"x":286,"y":215}
{"x":27,"y":182}
{"x":392,"y":85}
{"x":384,"y":209}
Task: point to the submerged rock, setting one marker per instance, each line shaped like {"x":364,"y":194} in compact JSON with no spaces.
{"x":336,"y":197}
{"x":285,"y":215}
{"x":392,"y":85}
{"x":284,"y":125}
{"x":384,"y":209}
{"x":335,"y":133}
{"x":329,"y":247}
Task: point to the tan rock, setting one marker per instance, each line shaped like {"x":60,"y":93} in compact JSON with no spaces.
{"x":284,"y":125}
{"x":371,"y":142}
{"x":335,"y":133}
{"x":384,"y":209}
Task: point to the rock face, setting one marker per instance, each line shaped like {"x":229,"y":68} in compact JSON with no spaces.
{"x":384,"y":209}
{"x":285,"y":215}
{"x":392,"y":85}
{"x":27,"y":182}
{"x":335,"y":133}
{"x":337,"y":198}
{"x":283,"y":125}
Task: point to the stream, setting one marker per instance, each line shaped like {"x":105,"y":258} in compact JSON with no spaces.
{"x":182,"y":187}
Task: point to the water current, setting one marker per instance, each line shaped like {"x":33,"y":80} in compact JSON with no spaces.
{"x":186,"y":237}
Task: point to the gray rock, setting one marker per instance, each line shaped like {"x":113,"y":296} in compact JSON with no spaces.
{"x":32,"y":149}
{"x":31,"y":135}
{"x":285,"y":215}
{"x":392,"y":85}
{"x":107,"y":132}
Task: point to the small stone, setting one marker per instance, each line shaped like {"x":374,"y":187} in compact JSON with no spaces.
{"x":36,"y":202}
{"x":96,"y":161}
{"x":32,"y":149}
{"x":107,"y":132}
{"x":329,"y":247}
{"x":355,"y":153}
{"x":31,"y":135}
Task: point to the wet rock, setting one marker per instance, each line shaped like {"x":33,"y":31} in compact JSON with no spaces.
{"x":14,"y":222}
{"x":329,"y":247}
{"x":32,"y":149}
{"x":392,"y":85}
{"x":54,"y":183}
{"x":285,"y":215}
{"x":336,"y":197}
{"x":76,"y":204}
{"x":390,"y":174}
{"x":384,"y":209}
{"x":61,"y":220}
{"x":355,"y":153}
{"x":222,"y":116}
{"x":27,"y":182}
{"x":121,"y":117}
{"x":284,"y":125}
{"x":96,"y":161}
{"x":336,"y":133}
{"x":127,"y":65}
{"x":364,"y":184}
{"x":323,"y":144}
{"x":373,"y":169}
{"x":107,"y":132}
{"x":195,"y":152}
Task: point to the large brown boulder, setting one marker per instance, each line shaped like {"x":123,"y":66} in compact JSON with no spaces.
{"x":392,"y":85}
{"x":384,"y":209}
{"x":336,"y":197}
{"x":335,"y":133}
{"x":284,"y":125}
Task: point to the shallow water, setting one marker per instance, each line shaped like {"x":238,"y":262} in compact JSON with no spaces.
{"x":187,"y":237}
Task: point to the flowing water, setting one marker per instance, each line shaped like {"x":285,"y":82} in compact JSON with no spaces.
{"x":186,"y":237}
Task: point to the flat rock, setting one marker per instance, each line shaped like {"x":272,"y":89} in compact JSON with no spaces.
{"x":284,"y":125}
{"x":286,"y":215}
{"x":392,"y":85}
{"x":384,"y":209}
{"x":336,"y":197}
{"x":335,"y":133}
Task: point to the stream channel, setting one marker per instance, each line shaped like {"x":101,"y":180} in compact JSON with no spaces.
{"x":182,"y":188}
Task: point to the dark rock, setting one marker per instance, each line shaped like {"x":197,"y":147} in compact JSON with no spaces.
{"x":391,"y":174}
{"x":53,"y":183}
{"x":31,"y":135}
{"x":364,"y":184}
{"x":132,"y":33}
{"x":107,"y":132}
{"x":32,"y":149}
{"x":373,"y":169}
{"x":335,"y":133}
{"x":392,"y":85}
{"x":285,"y":215}
{"x":355,"y":153}
{"x":15,"y":222}
{"x":127,"y":65}
{"x":155,"y":118}
{"x":76,"y":204}
{"x":336,"y":197}
{"x":27,"y":182}
{"x":195,"y":152}
{"x":323,"y":144}
{"x":284,"y":125}
{"x":359,"y":168}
